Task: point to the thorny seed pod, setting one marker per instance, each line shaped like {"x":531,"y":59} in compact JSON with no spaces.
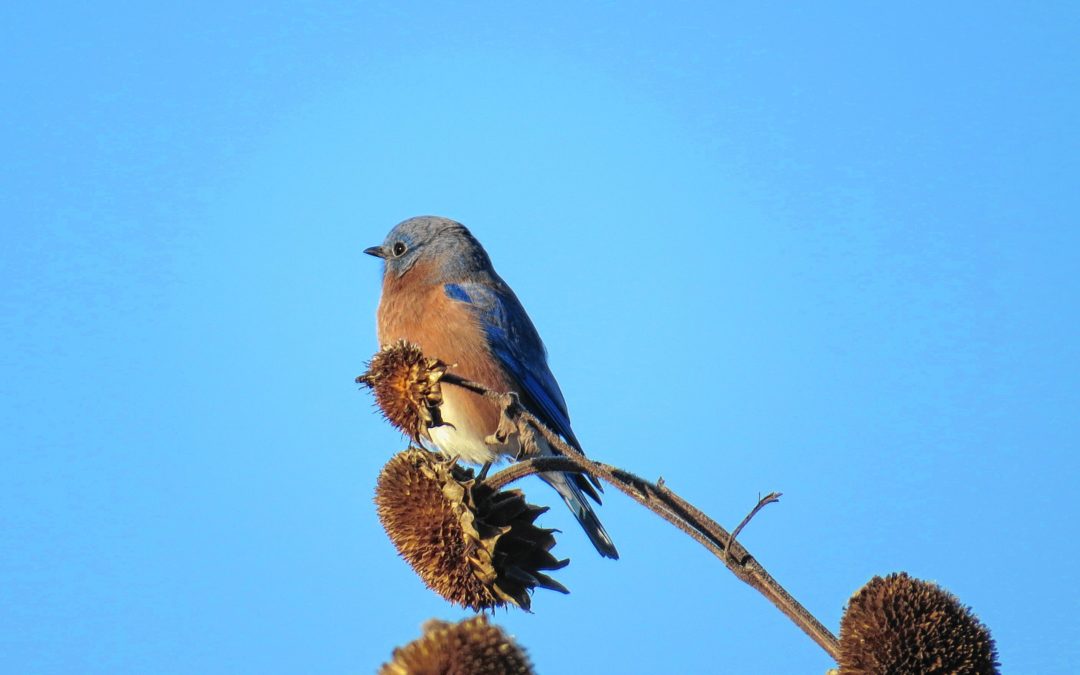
{"x":472,"y":545}
{"x":903,"y":625}
{"x":471,"y":647}
{"x":407,"y":387}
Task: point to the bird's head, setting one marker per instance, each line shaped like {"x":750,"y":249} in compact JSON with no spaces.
{"x":445,"y":244}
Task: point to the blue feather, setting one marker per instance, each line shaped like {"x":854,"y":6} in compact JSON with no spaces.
{"x":456,"y":292}
{"x":516,"y":344}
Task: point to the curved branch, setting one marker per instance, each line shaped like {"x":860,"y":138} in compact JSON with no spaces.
{"x":656,"y":497}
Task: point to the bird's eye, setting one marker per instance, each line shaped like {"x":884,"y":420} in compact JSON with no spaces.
{"x":399,"y":249}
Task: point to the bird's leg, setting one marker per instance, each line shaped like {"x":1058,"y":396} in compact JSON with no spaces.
{"x":483,"y":471}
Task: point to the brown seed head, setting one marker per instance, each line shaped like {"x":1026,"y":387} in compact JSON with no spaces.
{"x":471,"y":647}
{"x":474,"y":546}
{"x":407,"y":388}
{"x":904,"y":625}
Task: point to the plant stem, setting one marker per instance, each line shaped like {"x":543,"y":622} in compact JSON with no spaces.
{"x":653,"y":496}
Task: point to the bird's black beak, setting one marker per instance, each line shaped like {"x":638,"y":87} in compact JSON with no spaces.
{"x":375,"y":251}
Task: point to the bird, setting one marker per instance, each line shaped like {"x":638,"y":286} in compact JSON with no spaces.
{"x":441,"y":293}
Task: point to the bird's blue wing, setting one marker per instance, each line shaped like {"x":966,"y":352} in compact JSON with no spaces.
{"x":513,"y":340}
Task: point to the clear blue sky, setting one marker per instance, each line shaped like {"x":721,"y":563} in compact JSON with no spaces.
{"x":831,"y":251}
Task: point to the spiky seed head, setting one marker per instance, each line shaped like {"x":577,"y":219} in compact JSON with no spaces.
{"x":474,"y":546}
{"x":471,"y":647}
{"x":898,"y":624}
{"x":407,"y":387}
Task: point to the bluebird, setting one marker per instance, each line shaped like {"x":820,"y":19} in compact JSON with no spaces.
{"x":440,"y":292}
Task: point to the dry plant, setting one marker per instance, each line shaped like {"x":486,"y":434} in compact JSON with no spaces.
{"x":436,"y":513}
{"x":471,"y":543}
{"x":470,"y":647}
{"x":898,"y":624}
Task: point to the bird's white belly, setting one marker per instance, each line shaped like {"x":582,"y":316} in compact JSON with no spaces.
{"x":459,"y":439}
{"x":463,"y":446}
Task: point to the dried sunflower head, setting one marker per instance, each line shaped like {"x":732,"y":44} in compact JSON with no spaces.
{"x":407,"y":387}
{"x":474,"y":546}
{"x":471,"y":647}
{"x":903,"y":625}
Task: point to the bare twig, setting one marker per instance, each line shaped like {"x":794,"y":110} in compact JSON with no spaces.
{"x":656,"y":497}
{"x":770,"y":498}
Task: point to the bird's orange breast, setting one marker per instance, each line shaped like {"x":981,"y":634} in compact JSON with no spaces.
{"x":415,"y":308}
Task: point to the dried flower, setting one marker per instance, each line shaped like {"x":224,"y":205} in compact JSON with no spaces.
{"x":471,"y":647}
{"x":475,"y":546}
{"x":407,"y":388}
{"x":903,"y":625}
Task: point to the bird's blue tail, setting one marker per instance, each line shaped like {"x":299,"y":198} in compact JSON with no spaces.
{"x":567,"y":488}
